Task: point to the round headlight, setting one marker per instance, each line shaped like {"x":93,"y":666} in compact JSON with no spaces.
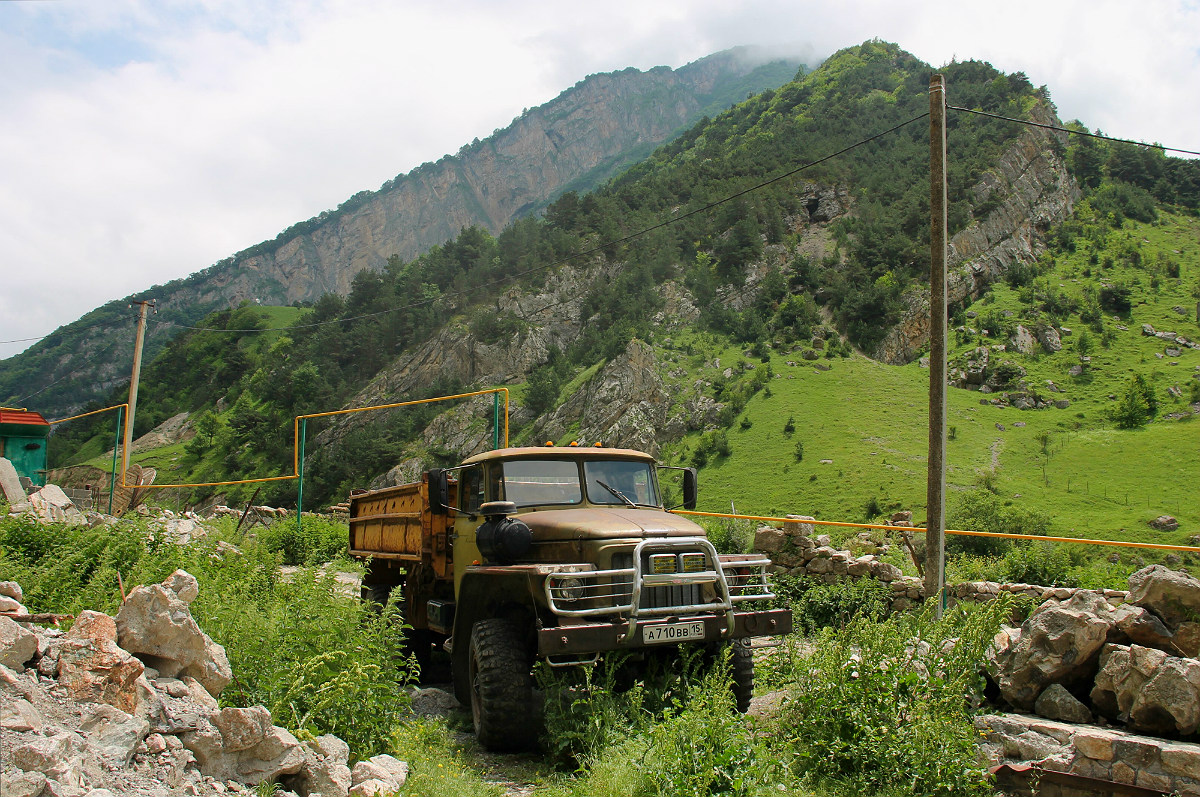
{"x":569,"y":590}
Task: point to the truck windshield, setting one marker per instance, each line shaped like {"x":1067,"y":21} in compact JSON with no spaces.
{"x":528,"y":482}
{"x":620,"y":481}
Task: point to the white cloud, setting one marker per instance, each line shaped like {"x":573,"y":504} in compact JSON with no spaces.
{"x":147,"y":140}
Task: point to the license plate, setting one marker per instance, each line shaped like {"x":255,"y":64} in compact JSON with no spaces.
{"x":672,"y":632}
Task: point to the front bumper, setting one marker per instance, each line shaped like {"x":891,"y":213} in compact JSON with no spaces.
{"x":600,"y":637}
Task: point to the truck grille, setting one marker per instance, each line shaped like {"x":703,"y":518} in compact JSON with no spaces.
{"x":691,"y":578}
{"x":658,"y":597}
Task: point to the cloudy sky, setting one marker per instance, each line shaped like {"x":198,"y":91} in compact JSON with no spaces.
{"x":143,"y":140}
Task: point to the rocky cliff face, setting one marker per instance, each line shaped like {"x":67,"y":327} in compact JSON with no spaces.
{"x":1036,"y":192}
{"x":587,"y":134}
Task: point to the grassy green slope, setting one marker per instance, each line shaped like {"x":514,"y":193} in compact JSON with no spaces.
{"x":1093,"y":480}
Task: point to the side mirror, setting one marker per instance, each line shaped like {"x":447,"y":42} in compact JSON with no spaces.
{"x":689,"y":488}
{"x":439,"y":491}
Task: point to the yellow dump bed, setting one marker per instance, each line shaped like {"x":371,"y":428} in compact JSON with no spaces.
{"x":397,"y":523}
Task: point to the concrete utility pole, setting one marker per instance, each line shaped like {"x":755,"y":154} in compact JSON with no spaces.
{"x":935,"y":523}
{"x":133,"y":381}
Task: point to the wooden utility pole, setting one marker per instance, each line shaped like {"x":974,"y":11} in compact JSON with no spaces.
{"x":133,"y":381}
{"x":935,"y":523}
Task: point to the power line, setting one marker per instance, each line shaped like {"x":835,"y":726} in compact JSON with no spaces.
{"x":72,"y":372}
{"x":68,"y":328}
{"x":576,"y":255}
{"x":1069,"y":130}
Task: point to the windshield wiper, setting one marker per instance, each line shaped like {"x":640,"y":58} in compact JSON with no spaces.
{"x":617,"y":493}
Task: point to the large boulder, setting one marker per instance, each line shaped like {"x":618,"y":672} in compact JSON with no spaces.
{"x":112,"y":735}
{"x":92,"y":667}
{"x":1148,"y":689}
{"x":156,"y":625}
{"x":1172,"y":595}
{"x":325,"y":769}
{"x":1141,"y":627}
{"x":10,"y":484}
{"x":379,"y":774}
{"x":1056,"y":703}
{"x":17,"y":645}
{"x":242,"y":744}
{"x":53,"y":506}
{"x":1059,"y":643}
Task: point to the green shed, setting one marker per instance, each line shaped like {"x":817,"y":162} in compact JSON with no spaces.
{"x":23,"y":442}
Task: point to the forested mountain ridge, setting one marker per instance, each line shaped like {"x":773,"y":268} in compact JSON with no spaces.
{"x":629,"y":342}
{"x":581,"y":138}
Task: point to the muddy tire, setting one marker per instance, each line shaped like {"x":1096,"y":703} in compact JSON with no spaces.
{"x":741,"y":667}
{"x":503,"y":702}
{"x":376,"y":595}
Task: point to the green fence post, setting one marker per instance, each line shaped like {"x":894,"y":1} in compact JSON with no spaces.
{"x":300,"y":474}
{"x":112,"y":480}
{"x":496,"y":420}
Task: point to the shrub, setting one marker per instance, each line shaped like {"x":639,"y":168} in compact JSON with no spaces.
{"x":1045,"y":563}
{"x":980,"y":510}
{"x":673,"y":733}
{"x":314,"y":541}
{"x":1134,"y":409}
{"x":816,"y":605}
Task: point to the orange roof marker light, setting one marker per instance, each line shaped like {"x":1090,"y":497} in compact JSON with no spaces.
{"x":549,"y":444}
{"x":574,"y":443}
{"x":598,"y":444}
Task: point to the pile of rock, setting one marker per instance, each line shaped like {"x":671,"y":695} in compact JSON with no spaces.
{"x":1174,"y":340}
{"x":127,"y":706}
{"x":1134,"y":663}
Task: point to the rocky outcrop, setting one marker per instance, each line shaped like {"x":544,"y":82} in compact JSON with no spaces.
{"x":1149,"y":690}
{"x":623,"y":405}
{"x":1134,"y":662}
{"x":155,"y":624}
{"x":1029,"y":190}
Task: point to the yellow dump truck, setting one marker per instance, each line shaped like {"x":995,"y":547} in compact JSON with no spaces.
{"x":558,"y":554}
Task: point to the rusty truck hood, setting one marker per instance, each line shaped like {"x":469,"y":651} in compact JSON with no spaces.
{"x":607,"y":522}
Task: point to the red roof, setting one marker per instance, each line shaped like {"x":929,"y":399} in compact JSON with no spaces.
{"x":23,"y":416}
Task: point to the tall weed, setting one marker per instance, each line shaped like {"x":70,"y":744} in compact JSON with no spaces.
{"x":695,"y":746}
{"x":884,"y":706}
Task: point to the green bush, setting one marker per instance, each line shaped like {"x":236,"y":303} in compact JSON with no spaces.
{"x":981,"y":510}
{"x":673,"y":733}
{"x":816,"y":605}
{"x":1046,"y":563}
{"x":315,"y":541}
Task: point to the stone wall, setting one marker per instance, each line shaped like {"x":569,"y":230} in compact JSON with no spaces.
{"x":796,"y":550}
{"x":1091,"y":752}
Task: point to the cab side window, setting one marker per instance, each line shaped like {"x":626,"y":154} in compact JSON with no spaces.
{"x":470,"y":486}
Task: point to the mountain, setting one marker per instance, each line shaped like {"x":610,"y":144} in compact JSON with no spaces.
{"x":741,"y":301}
{"x":576,"y":141}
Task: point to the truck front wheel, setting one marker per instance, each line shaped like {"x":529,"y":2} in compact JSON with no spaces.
{"x":741,"y":666}
{"x":503,"y":702}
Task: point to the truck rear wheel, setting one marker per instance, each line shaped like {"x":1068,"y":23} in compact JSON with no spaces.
{"x":503,"y":702}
